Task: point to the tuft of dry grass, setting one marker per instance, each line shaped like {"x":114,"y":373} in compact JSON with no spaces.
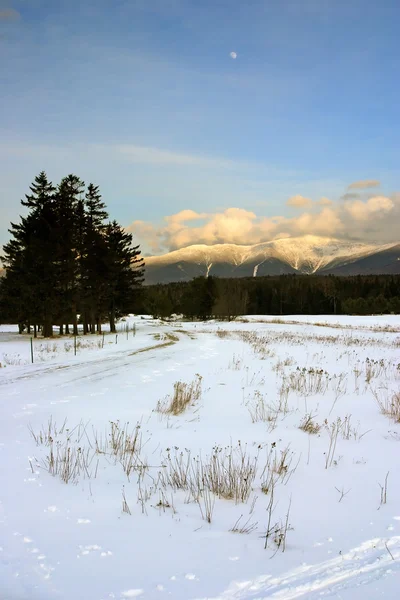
{"x":260,"y":411}
{"x":222,"y":333}
{"x":246,"y":527}
{"x":185,"y":395}
{"x":389,"y":403}
{"x":278,"y":469}
{"x":309,"y":425}
{"x":230,"y":473}
{"x":125,"y":506}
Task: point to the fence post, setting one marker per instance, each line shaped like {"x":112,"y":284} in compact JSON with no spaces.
{"x":102,"y":343}
{"x":32,"y":350}
{"x":75,"y":345}
{"x":116,"y":338}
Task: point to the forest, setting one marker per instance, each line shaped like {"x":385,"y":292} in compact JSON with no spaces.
{"x":67,"y":262}
{"x":277,"y":295}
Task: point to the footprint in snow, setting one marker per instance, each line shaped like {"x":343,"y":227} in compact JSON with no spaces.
{"x":133,"y":593}
{"x":45,"y":569}
{"x":83,"y":521}
{"x":22,"y":414}
{"x":62,"y":401}
{"x":85,"y":550}
{"x":191,"y":577}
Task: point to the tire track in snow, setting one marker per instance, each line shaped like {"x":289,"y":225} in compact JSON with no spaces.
{"x":114,"y":360}
{"x":372,"y":560}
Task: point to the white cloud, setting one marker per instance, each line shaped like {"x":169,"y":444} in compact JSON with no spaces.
{"x":324,"y":201}
{"x":156,"y":156}
{"x":372,"y":220}
{"x":364,"y":184}
{"x":233,"y":225}
{"x":376,"y":207}
{"x":233,"y":55}
{"x":299,"y":201}
{"x":185,"y":215}
{"x":325,"y":223}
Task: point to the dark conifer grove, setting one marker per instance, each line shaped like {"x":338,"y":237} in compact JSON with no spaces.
{"x":66,"y":261}
{"x":275,"y":295}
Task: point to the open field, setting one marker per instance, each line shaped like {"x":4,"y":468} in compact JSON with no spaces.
{"x":253,"y":459}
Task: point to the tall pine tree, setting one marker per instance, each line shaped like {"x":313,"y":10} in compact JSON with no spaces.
{"x":124,"y":272}
{"x":63,"y":259}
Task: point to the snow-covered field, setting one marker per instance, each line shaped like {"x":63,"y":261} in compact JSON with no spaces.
{"x":106,"y":492}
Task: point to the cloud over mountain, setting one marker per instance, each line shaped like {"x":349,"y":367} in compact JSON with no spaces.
{"x":373,"y":219}
{"x":364,"y":184}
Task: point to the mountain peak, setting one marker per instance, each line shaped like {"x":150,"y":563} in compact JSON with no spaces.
{"x":304,"y":254}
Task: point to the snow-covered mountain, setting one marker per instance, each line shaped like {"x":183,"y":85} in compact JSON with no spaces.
{"x":308,"y":254}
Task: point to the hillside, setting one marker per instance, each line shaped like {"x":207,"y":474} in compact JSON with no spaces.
{"x":307,"y":255}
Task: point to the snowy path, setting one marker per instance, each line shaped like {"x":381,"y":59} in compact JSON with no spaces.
{"x":60,"y":541}
{"x":360,"y":566}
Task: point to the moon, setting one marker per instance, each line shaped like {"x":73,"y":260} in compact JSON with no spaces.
{"x":233,"y":55}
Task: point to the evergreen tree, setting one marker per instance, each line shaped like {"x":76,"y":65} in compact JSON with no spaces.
{"x":93,"y":259}
{"x":28,"y":257}
{"x":124,"y":272}
{"x":67,"y":198}
{"x":62,"y":259}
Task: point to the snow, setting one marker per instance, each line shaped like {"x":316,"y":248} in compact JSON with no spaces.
{"x":73,"y":540}
{"x":306,"y":253}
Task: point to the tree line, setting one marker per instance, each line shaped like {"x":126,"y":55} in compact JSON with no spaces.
{"x":277,"y":295}
{"x":66,"y":260}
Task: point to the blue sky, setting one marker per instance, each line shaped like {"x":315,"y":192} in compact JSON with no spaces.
{"x":143,"y":98}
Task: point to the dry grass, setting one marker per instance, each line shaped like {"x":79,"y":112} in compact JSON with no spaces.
{"x":261,"y":411}
{"x":277,"y":469}
{"x":125,"y":506}
{"x":308,"y":382}
{"x":277,"y":532}
{"x":228,"y":473}
{"x":246,"y":527}
{"x":389,"y":403}
{"x":282,"y":321}
{"x":185,"y":395}
{"x":236,"y":363}
{"x":309,"y":425}
{"x":70,"y":463}
{"x":222,"y":333}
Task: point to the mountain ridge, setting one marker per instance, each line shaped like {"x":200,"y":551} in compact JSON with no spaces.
{"x":304,"y":255}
